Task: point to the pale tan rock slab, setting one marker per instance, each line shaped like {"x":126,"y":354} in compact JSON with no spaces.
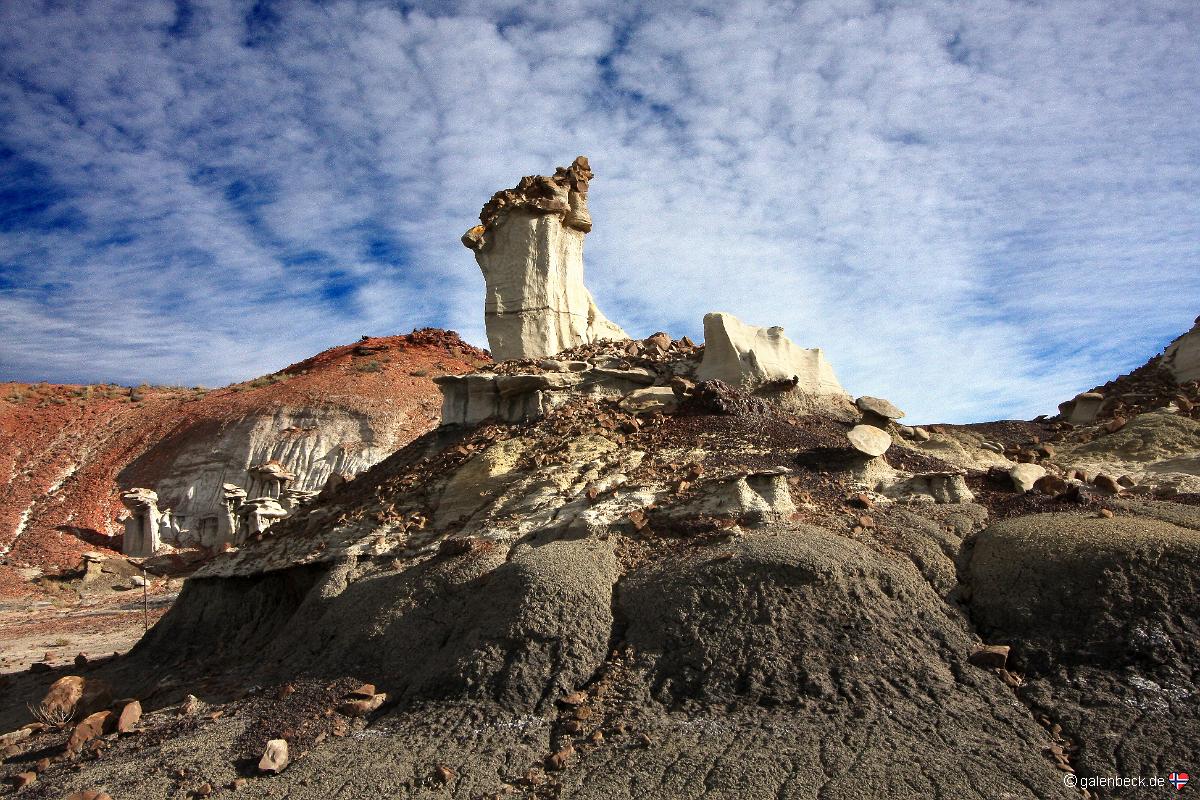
{"x":747,"y":356}
{"x":869,"y":440}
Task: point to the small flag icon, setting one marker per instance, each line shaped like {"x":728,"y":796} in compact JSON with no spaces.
{"x":1178,"y":780}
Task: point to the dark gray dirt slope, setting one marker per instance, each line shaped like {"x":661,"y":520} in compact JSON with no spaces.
{"x":1105,"y":615}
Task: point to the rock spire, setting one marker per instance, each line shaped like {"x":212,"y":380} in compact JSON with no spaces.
{"x":529,"y":245}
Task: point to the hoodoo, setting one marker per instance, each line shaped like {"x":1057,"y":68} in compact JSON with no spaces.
{"x":530,"y":247}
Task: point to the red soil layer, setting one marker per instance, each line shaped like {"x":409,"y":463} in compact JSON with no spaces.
{"x":62,"y":447}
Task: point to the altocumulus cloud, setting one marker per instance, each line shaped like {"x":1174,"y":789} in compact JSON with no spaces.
{"x":977,"y":209}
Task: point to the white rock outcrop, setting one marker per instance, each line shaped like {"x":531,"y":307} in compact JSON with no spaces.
{"x":530,"y":249}
{"x":748,"y":357}
{"x":472,"y":398}
{"x":753,"y":499}
{"x":1083,"y":409}
{"x":1182,"y":356}
{"x":192,"y":474}
{"x":142,"y":533}
{"x":257,"y":515}
{"x":1024,"y":476}
{"x":936,"y":487}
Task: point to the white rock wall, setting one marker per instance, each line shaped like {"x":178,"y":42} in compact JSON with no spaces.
{"x":536,"y":304}
{"x":1182,"y":356}
{"x":312,"y":443}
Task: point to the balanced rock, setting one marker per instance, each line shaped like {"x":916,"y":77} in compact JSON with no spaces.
{"x":747,"y":357}
{"x":529,"y":246}
{"x":869,"y":440}
{"x":879,"y":407}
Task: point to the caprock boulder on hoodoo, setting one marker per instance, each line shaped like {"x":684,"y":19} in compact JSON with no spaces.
{"x":634,"y":568}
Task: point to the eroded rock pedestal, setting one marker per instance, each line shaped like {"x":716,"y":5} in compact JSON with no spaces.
{"x":529,"y":246}
{"x":142,"y":536}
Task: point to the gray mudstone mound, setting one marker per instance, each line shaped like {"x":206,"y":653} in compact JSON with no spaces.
{"x":1104,"y":618}
{"x":798,"y":663}
{"x":791,"y":662}
{"x":470,"y":625}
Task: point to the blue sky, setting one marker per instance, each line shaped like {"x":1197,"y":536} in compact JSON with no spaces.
{"x":976,"y":208}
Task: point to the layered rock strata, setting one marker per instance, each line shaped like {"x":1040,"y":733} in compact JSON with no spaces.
{"x":529,"y":246}
{"x":648,"y":375}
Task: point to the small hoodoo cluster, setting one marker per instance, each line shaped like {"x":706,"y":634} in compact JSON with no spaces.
{"x":248,"y":512}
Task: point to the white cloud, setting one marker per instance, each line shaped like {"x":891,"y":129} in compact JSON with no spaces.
{"x":976,"y":209}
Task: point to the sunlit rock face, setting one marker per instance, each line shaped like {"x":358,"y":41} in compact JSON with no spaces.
{"x":529,"y":246}
{"x":142,"y":537}
{"x":748,"y":357}
{"x":1182,"y":356}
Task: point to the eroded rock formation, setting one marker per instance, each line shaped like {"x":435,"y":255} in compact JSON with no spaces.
{"x":529,"y":246}
{"x":142,"y":526}
{"x":612,"y":595}
{"x":67,"y":452}
{"x":1182,"y":356}
{"x":748,"y":357}
{"x":652,"y":374}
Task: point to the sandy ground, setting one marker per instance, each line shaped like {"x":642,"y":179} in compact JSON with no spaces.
{"x":54,"y":631}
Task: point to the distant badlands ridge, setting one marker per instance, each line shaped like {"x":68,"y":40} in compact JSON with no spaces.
{"x":69,"y":450}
